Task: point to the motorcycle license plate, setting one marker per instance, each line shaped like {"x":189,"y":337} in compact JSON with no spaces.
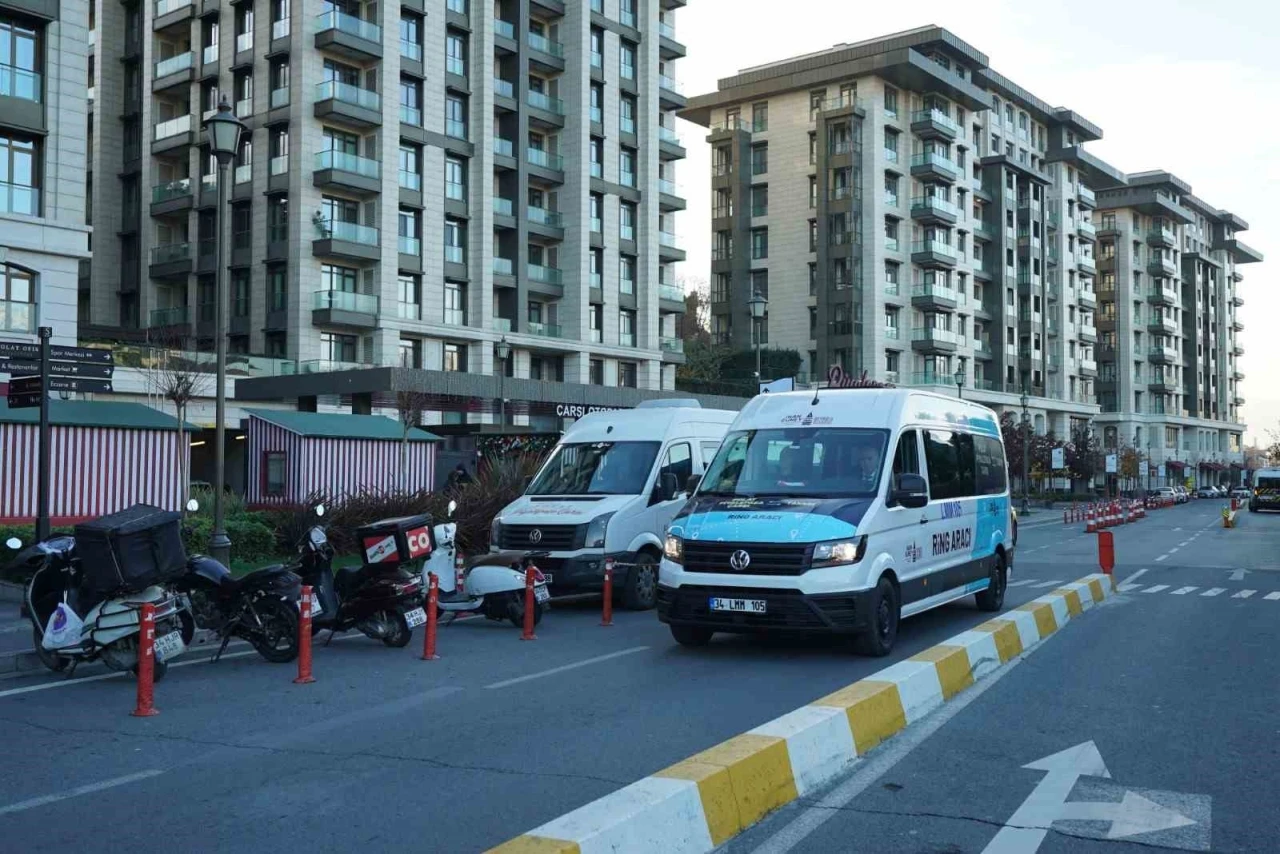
{"x":415,"y":618}
{"x":747,"y":606}
{"x":548,"y":577}
{"x":316,"y":607}
{"x":541,"y":594}
{"x":167,"y":646}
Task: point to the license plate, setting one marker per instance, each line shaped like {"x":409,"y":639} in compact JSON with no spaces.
{"x":746,"y":606}
{"x":316,"y":607}
{"x":167,"y":646}
{"x":415,"y":618}
{"x":541,"y":594}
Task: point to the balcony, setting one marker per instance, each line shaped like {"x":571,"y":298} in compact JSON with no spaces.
{"x":545,"y":54}
{"x":165,"y":318}
{"x":1086,"y":264}
{"x":546,"y":330}
{"x":503,"y":266}
{"x":1237,"y":325}
{"x":930,"y":297}
{"x":170,"y":12}
{"x":671,"y":345}
{"x":932,"y":165}
{"x":343,"y":102}
{"x":1088,"y":333}
{"x":343,"y":308}
{"x":544,"y":217}
{"x":929,"y":378}
{"x":1158,"y":295}
{"x":671,"y":198}
{"x":1163,"y":355}
{"x":933,"y":253}
{"x":1162,"y":236}
{"x":669,"y":247}
{"x":1085,"y":228}
{"x":1086,"y":196}
{"x":671,"y":298}
{"x":23,"y":85}
{"x":174,"y":71}
{"x":934,"y":210}
{"x":670,"y":146}
{"x":338,"y":170}
{"x":173,"y":197}
{"x":927,"y":339}
{"x":1088,"y":368}
{"x":545,"y":275}
{"x":551,"y":109}
{"x":503,"y":207}
{"x":170,"y":260}
{"x":934,"y":124}
{"x":544,"y":159}
{"x":1161,"y":385}
{"x":668,"y":46}
{"x":410,"y":115}
{"x":1237,"y":350}
{"x":452,"y":128}
{"x":347,"y":240}
{"x":669,"y":95}
{"x":982,"y":350}
{"x":278,"y":98}
{"x":1163,"y":326}
{"x":1087,"y":298}
{"x":348,"y":36}
{"x":1162,"y":266}
{"x":1237,"y":301}
{"x":981,"y":232}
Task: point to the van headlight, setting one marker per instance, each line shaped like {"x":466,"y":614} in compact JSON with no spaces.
{"x":673,"y":549}
{"x":837,"y":552}
{"x":596,"y":530}
{"x":495,"y":533}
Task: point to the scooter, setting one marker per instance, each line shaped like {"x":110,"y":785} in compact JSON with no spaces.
{"x":261,"y":607}
{"x":109,"y":630}
{"x":383,"y":601}
{"x":493,"y":584}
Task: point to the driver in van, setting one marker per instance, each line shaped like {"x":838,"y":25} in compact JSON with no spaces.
{"x":868,"y":459}
{"x":790,"y":468}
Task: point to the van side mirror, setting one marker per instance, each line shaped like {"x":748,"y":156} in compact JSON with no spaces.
{"x":667,"y":487}
{"x":13,"y":543}
{"x":691,"y":485}
{"x":909,"y":490}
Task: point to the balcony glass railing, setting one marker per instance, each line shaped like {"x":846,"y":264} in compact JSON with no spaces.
{"x":411,"y":51}
{"x":280,"y":29}
{"x":279,"y":97}
{"x":350,"y":232}
{"x":174,"y":64}
{"x":411,"y":310}
{"x":505,"y":88}
{"x":543,"y":101}
{"x":933,"y":158}
{"x":937,"y":117}
{"x":173,"y":127}
{"x":502,"y":324}
{"x":670,"y":188}
{"x":278,"y":165}
{"x":504,"y":147}
{"x":673,"y":293}
{"x":668,"y":83}
{"x":350,"y":24}
{"x":597,"y":59}
{"x":1086,"y":195}
{"x":934,"y":203}
{"x":168,"y":316}
{"x":931,"y":378}
{"x":542,"y":216}
{"x":17,"y":317}
{"x":667,"y":238}
{"x":345,"y":301}
{"x":453,"y":128}
{"x":20,"y":83}
{"x":546,"y":45}
{"x":244,"y":107}
{"x":891,"y":155}
{"x":548,"y":275}
{"x":172,"y":190}
{"x":167,"y":252}
{"x":503,"y":207}
{"x":324,"y":366}
{"x":891,"y":332}
{"x":597,"y":115}
{"x":666,"y":30}
{"x":243,"y":173}
{"x":506,"y":29}
{"x":937,"y":247}
{"x":459,"y":6}
{"x":409,"y":245}
{"x":164,"y":7}
{"x":504,"y":266}
{"x":626,"y":124}
{"x":925,"y":289}
{"x":346,"y":162}
{"x":929,"y":333}
{"x":547,"y":330}
{"x":244,"y":42}
{"x":545,"y":159}
{"x":410,"y":180}
{"x":666,"y":134}
{"x":456,"y":65}
{"x":348,"y":94}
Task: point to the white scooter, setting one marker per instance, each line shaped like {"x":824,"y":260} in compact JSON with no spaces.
{"x":494,"y":584}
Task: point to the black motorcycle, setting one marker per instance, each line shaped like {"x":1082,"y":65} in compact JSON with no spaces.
{"x":260,"y":607}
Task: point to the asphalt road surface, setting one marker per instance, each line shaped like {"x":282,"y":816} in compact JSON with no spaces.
{"x":386,"y":752}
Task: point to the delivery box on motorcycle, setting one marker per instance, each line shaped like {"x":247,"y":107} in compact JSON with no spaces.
{"x":395,"y":541}
{"x":132,"y":549}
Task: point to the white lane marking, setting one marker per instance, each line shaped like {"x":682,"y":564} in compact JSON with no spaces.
{"x":1044,"y":584}
{"x":1244,"y":594}
{"x":1214,"y":591}
{"x":1129,"y":582}
{"x":1183,"y":591}
{"x":564,"y":667}
{"x":1156,"y":588}
{"x":867,"y":772}
{"x":1162,"y":558}
{"x":1183,"y":545}
{"x":78,"y":790}
{"x":1272,"y":596}
{"x":1020,"y":582}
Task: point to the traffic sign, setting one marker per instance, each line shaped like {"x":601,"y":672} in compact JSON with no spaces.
{"x":23,"y":350}
{"x":29,"y":368}
{"x":31,"y":385}
{"x":24,"y":401}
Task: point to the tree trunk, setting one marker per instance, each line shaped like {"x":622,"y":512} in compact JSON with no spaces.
{"x":404,"y":460}
{"x":184,"y":457}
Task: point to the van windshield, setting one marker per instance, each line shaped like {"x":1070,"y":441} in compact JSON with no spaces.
{"x":596,"y":468}
{"x":826,"y":462}
{"x":1272,"y":483}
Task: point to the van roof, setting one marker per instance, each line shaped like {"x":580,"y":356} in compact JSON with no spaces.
{"x":635,"y":425}
{"x":886,"y":407}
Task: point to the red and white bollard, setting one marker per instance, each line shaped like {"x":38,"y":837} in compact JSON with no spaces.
{"x":146,"y":663}
{"x":459,"y":573}
{"x":1091,"y":524}
{"x":530,"y":603}
{"x":304,"y":639}
{"x":606,"y":618}
{"x":433,"y":605}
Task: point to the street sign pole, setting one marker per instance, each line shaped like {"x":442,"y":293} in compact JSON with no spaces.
{"x":42,"y":494}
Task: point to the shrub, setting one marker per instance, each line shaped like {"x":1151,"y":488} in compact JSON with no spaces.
{"x":27,"y":534}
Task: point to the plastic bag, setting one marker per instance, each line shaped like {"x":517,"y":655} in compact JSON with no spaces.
{"x":64,"y":628}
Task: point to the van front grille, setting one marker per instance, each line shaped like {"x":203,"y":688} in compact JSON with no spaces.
{"x":551,"y":538}
{"x":765,"y":558}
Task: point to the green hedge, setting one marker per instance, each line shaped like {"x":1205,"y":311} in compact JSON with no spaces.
{"x":26,"y":533}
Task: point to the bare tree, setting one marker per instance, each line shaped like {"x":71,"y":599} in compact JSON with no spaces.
{"x":696,"y":324}
{"x":409,"y":405}
{"x":179,"y":377}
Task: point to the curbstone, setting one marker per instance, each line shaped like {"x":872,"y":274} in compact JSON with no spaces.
{"x":702,"y":802}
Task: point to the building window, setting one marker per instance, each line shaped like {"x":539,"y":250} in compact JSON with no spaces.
{"x":627,"y":60}
{"x":597,"y":213}
{"x":627,"y":111}
{"x":19,"y":175}
{"x":338,"y":348}
{"x":455,"y":304}
{"x":760,"y":116}
{"x":455,"y":117}
{"x":891,"y":102}
{"x":627,"y":374}
{"x":455,"y":358}
{"x":335,"y":278}
{"x":595,"y":372}
{"x":411,"y":102}
{"x":410,"y":297}
{"x":277,"y":289}
{"x":274,"y":472}
{"x":277,"y":219}
{"x":17,"y":300}
{"x":410,"y":168}
{"x":20,"y":53}
{"x":759,"y":243}
{"x":626,"y":166}
{"x":760,"y":200}
{"x":241,"y":228}
{"x":455,"y":179}
{"x":410,"y":353}
{"x":456,"y":54}
{"x":597,"y":49}
{"x":596,"y":320}
{"x":627,"y":274}
{"x":455,"y":242}
{"x":759,"y":159}
{"x":627,"y":328}
{"x":627,"y":221}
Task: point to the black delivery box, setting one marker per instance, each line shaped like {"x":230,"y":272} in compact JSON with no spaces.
{"x":132,"y":549}
{"x":394,"y":541}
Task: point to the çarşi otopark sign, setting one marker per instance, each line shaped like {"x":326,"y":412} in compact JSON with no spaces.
{"x":37,"y":369}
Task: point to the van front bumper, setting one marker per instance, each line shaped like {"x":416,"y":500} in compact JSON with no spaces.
{"x":787,"y":610}
{"x":579,"y":572}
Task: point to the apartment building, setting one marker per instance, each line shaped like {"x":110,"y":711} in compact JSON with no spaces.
{"x":418,"y":181}
{"x":912,"y":213}
{"x":43,"y":68}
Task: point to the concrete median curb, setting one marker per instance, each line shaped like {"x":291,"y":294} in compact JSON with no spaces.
{"x":23,"y":661}
{"x":705,"y":800}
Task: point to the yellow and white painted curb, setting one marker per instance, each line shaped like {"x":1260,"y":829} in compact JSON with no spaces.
{"x":707,"y":799}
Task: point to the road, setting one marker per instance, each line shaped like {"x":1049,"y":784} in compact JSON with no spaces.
{"x":386,"y":750}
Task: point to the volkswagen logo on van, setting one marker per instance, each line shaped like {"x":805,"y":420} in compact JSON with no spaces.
{"x":740,"y":560}
{"x":535,"y":536}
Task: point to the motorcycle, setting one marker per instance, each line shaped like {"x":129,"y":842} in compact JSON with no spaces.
{"x":381,"y":600}
{"x":493,"y":584}
{"x":109,"y":630}
{"x":261,"y":607}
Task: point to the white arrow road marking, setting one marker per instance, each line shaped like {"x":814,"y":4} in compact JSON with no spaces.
{"x":1214,"y":591}
{"x":1238,"y":575}
{"x":1244,"y":594}
{"x":1129,"y":582}
{"x":1133,"y":815}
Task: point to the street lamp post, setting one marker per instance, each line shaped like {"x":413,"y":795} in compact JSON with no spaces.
{"x":1026,"y":450}
{"x":503,"y":350}
{"x":223,"y":130}
{"x":758,"y":305}
{"x":959,"y":378}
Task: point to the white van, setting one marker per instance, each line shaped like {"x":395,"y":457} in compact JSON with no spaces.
{"x":608,"y":490}
{"x":841,"y":511}
{"x":1266,"y":490}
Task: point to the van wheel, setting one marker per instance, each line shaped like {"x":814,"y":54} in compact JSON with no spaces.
{"x":885,"y":613}
{"x":691,"y":635}
{"x":992,"y":599}
{"x":640,"y":591}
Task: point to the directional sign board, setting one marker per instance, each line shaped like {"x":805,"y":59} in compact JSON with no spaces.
{"x":30,"y":368}
{"x":68,"y":369}
{"x":29,"y":352}
{"x":31,"y":385}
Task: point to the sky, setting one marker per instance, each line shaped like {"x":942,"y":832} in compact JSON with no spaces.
{"x":1189,"y":87}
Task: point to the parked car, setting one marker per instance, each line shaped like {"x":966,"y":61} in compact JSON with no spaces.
{"x":1164,"y":493}
{"x":1241,"y":492}
{"x":1206,"y":492}
{"x":1181,"y":495}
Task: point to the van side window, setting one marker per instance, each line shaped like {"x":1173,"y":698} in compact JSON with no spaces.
{"x":991,"y":469}
{"x":709,"y":453}
{"x":906,"y":460}
{"x":951,"y":464}
{"x":679,"y":462}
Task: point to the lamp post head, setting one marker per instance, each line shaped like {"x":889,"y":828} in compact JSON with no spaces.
{"x":1025,"y":400}
{"x":959,"y":376}
{"x":223,"y":130}
{"x":503,"y":349}
{"x":758,"y":305}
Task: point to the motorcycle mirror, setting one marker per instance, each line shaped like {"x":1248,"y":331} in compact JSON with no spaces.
{"x":193,"y":506}
{"x":13,"y":543}
{"x":453,"y":505}
{"x":319,"y":509}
